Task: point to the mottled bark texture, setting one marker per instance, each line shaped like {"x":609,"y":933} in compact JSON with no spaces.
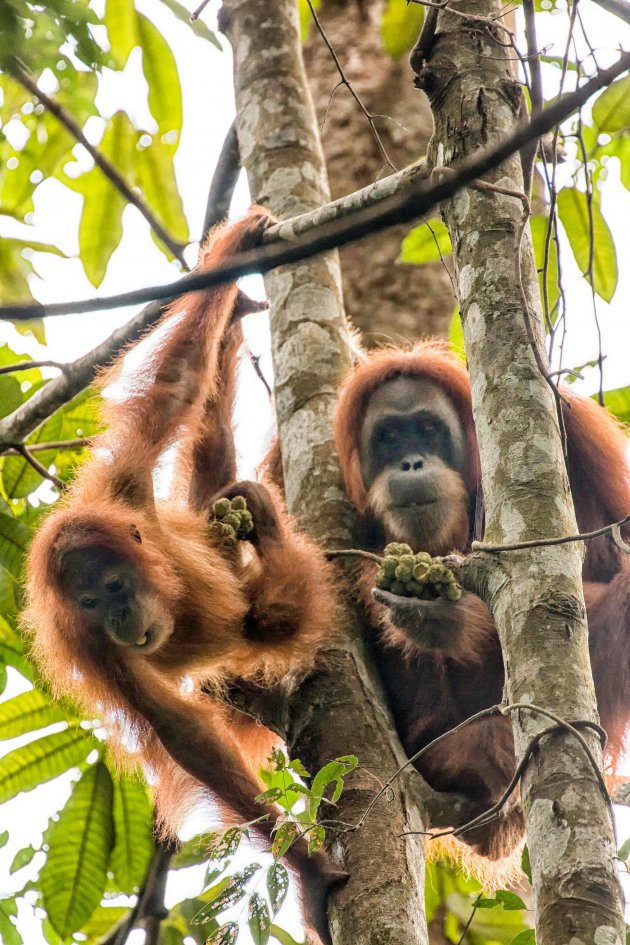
{"x":536,"y":597}
{"x":387,"y":302}
{"x":340,"y":709}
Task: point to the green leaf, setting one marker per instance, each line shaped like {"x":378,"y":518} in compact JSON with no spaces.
{"x":573,"y":212}
{"x":284,"y":837}
{"x":4,"y":838}
{"x":4,"y":676}
{"x":9,"y":934}
{"x":611,"y":109}
{"x":14,"y":538}
{"x":510,"y":900}
{"x":74,"y":876}
{"x":297,"y":766}
{"x":225,"y":935}
{"x":133,"y":846}
{"x":539,"y":235}
{"x":156,"y":177}
{"x":334,"y":771}
{"x":10,"y":395}
{"x":527,"y":937}
{"x":122,"y":28}
{"x":18,"y":477}
{"x":258,"y":919}
{"x":400,"y":27}
{"x":22,"y":858}
{"x":277,"y":886}
{"x":103,"y":920}
{"x":160,"y":71}
{"x":282,"y":935}
{"x":226,"y":892}
{"x":456,"y":335}
{"x":624,"y":850}
{"x":43,"y":759}
{"x":486,"y":903}
{"x":100,"y":229}
{"x":618,"y":402}
{"x":526,"y":865}
{"x":317,"y":835}
{"x":425,"y":243}
{"x":27,"y":712}
{"x":267,"y":796}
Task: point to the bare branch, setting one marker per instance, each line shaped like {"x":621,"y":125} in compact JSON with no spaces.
{"x":617,"y":7}
{"x":27,"y":365}
{"x":545,"y":542}
{"x":103,"y":163}
{"x":40,"y":468}
{"x":223,"y":181}
{"x":43,"y":447}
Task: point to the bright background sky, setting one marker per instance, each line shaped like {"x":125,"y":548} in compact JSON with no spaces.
{"x":205,"y":75}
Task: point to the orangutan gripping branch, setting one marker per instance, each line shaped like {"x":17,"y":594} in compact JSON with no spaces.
{"x":129,"y":596}
{"x":406,"y":440}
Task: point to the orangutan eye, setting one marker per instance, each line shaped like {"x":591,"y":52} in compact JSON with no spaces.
{"x":135,"y":533}
{"x":114,"y":585}
{"x":89,"y":603}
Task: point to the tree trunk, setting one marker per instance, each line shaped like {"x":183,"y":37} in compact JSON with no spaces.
{"x":535,"y":596}
{"x":340,"y":709}
{"x":387,"y":302}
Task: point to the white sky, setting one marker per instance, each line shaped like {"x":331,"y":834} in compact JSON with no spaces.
{"x":208,"y":110}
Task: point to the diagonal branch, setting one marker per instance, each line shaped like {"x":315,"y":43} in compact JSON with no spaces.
{"x":352,"y":224}
{"x":102,"y":162}
{"x":223,"y":181}
{"x":618,"y":8}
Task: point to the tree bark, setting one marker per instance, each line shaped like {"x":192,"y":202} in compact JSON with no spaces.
{"x":387,"y":302}
{"x":340,"y":709}
{"x":536,"y":597}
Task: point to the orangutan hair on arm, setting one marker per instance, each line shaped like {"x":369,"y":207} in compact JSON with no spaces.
{"x":128,"y":595}
{"x":408,"y":451}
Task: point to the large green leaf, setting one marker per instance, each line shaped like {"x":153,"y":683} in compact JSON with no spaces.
{"x":12,"y":649}
{"x":156,"y":176}
{"x":80,"y":418}
{"x":160,"y":71}
{"x":27,"y":712}
{"x":74,"y":875}
{"x":400,"y":26}
{"x":14,"y":538}
{"x":102,"y":920}
{"x":10,"y":395}
{"x":425,"y":243}
{"x":133,"y":824}
{"x":573,"y":212}
{"x":100,"y":230}
{"x":122,"y":28}
{"x":611,"y":109}
{"x":306,"y":17}
{"x":44,"y":759}
{"x":618,"y":402}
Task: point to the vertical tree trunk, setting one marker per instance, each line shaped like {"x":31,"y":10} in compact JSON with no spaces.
{"x":387,"y":302}
{"x":535,"y":596}
{"x":340,"y":709}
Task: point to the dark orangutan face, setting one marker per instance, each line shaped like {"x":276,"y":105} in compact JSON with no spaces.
{"x":413,"y":461}
{"x":115,"y":600}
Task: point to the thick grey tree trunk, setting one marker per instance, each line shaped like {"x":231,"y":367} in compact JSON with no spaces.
{"x":535,"y":596}
{"x":340,"y":710}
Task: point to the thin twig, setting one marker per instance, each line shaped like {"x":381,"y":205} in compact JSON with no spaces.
{"x":43,"y":447}
{"x":343,"y":80}
{"x":468,"y":924}
{"x":108,"y":169}
{"x":27,"y":365}
{"x":353,"y":553}
{"x":546,"y":542}
{"x":41,"y":469}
